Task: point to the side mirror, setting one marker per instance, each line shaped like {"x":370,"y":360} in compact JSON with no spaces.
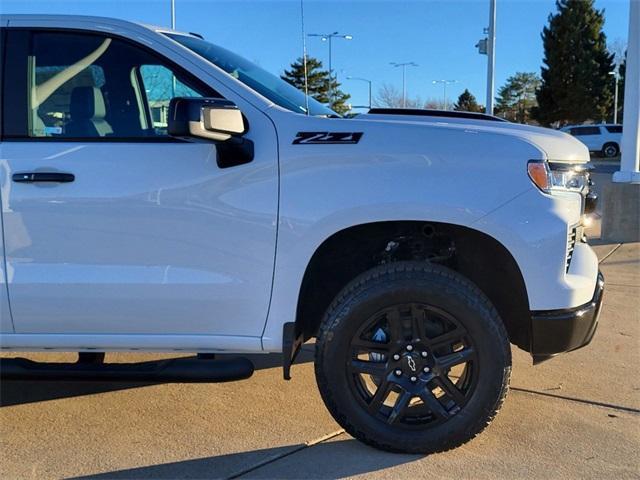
{"x":212,"y":119}
{"x":206,"y":118}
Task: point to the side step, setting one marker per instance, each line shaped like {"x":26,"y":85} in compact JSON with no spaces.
{"x":174,"y":370}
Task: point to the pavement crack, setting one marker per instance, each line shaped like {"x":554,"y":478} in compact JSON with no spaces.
{"x":625,"y":285}
{"x":610,"y":253}
{"x":578,"y":400}
{"x":280,"y":456}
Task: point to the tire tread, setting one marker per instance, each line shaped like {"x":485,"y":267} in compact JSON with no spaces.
{"x":368,"y":281}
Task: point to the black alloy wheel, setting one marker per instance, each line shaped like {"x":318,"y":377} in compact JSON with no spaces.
{"x":412,"y":357}
{"x":412,"y":365}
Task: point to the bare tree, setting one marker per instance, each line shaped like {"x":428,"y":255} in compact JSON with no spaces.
{"x":390,"y":97}
{"x":434,"y":104}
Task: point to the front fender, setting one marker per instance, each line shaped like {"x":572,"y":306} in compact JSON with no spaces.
{"x":327,"y":188}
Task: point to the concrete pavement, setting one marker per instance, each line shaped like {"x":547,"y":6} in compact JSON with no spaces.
{"x":576,"y":416}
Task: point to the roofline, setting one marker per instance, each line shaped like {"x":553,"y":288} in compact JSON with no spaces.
{"x":88,"y":19}
{"x":141,"y":33}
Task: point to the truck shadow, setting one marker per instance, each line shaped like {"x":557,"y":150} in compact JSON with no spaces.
{"x":335,"y":459}
{"x":18,"y":392}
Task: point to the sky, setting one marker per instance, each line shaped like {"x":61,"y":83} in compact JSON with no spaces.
{"x":438,"y":35}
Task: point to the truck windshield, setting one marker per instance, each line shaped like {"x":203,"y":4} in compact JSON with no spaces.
{"x":266,"y":84}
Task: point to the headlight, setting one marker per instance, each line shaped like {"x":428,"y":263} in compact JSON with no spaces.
{"x":561,"y":177}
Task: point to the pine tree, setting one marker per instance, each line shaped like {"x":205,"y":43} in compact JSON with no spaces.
{"x":467,"y":103}
{"x":320,"y":84}
{"x":576,"y":85}
{"x":517,"y":97}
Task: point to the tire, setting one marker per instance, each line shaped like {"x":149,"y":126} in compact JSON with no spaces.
{"x":412,"y":357}
{"x":610,"y":150}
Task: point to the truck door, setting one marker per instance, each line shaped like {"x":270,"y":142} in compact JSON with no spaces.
{"x":111,"y":226}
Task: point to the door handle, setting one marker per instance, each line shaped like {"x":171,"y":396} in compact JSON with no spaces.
{"x":53,"y":177}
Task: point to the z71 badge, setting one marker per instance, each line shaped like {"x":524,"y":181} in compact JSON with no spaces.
{"x":325,"y":138}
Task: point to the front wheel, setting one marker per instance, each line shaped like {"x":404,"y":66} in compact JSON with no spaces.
{"x":610,"y":150}
{"x":412,"y":357}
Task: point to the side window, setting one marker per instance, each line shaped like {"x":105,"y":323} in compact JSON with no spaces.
{"x":614,"y":129}
{"x":160,"y":86}
{"x":88,"y":86}
{"x":580,"y":131}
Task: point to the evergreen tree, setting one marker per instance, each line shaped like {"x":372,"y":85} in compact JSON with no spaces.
{"x":320,"y":84}
{"x":517,"y":97}
{"x":576,"y":85}
{"x":467,"y":103}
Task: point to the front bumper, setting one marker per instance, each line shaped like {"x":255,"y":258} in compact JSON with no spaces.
{"x":557,"y":331}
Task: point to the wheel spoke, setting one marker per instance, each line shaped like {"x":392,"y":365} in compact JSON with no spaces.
{"x":417,"y":322}
{"x":375,"y":369}
{"x":395,"y":326}
{"x":433,"y":404}
{"x":370,"y":345}
{"x":402,"y":402}
{"x":382,"y":392}
{"x":450,"y":389}
{"x":446,"y":339}
{"x":456,"y":358}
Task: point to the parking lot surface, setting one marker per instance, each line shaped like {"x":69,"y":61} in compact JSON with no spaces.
{"x":576,"y":416}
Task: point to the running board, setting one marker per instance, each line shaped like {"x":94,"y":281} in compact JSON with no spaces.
{"x":174,"y":370}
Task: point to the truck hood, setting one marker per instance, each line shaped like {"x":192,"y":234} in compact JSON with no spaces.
{"x":558,"y":146}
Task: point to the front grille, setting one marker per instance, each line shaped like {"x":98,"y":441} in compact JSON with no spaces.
{"x":571,"y":244}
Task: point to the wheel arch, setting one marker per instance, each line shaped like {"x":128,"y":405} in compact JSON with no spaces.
{"x":476,"y":255}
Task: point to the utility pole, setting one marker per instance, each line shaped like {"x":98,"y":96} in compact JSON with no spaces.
{"x":404,"y":81}
{"x":630,"y":145}
{"x":491,"y":55}
{"x":621,"y":208}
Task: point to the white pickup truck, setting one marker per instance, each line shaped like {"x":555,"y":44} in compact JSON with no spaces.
{"x":162,"y":194}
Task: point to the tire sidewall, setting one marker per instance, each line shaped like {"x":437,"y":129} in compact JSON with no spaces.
{"x":455,"y":298}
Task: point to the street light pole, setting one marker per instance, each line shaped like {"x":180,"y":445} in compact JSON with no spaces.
{"x":404,"y":82}
{"x":404,"y":86}
{"x":364,"y":80}
{"x":491,"y":55}
{"x":444,"y":84}
{"x":330,"y":67}
{"x":328,"y":37}
{"x":615,"y":96}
